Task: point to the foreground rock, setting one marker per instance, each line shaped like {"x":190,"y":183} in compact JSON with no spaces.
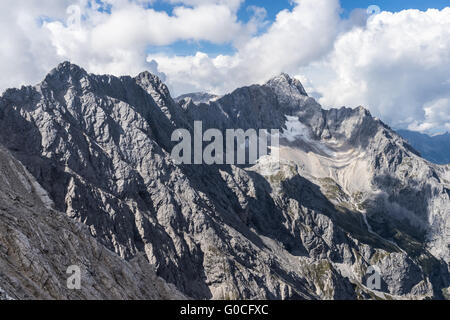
{"x":38,"y":244}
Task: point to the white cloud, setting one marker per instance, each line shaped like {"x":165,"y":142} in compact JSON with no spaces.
{"x":26,"y":53}
{"x":106,"y":42}
{"x":398,"y":66}
{"x":232,"y":4}
{"x":437,"y":116}
{"x":116,"y":43}
{"x":296,"y":38}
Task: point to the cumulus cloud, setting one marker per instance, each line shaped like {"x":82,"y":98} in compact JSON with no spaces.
{"x":437,"y":115}
{"x":297,"y":37}
{"x":398,"y":65}
{"x":116,"y":42}
{"x":232,"y":4}
{"x":109,"y":36}
{"x":26,"y":52}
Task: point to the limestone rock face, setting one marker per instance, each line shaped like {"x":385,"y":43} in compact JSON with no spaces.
{"x":349,"y":192}
{"x":39,"y":244}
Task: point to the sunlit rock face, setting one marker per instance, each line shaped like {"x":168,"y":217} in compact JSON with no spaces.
{"x":348,"y":192}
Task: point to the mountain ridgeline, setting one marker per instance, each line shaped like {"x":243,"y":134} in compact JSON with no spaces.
{"x":433,"y":148}
{"x":347,"y":194}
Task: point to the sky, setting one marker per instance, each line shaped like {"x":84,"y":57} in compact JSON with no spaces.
{"x":390,"y":56}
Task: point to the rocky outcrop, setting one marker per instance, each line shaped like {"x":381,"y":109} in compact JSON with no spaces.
{"x":349,"y":194}
{"x":39,"y":244}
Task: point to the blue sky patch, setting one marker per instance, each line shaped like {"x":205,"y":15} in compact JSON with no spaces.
{"x":185,"y":48}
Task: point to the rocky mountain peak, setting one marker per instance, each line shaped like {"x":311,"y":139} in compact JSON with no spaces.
{"x":148,"y":78}
{"x":153,"y":85}
{"x":363,"y":111}
{"x":66,"y":74}
{"x":67,"y":68}
{"x":287,"y":84}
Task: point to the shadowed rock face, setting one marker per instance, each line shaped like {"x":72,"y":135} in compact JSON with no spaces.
{"x":38,"y":244}
{"x":350,"y":193}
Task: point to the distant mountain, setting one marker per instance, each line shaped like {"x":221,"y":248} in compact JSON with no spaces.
{"x":347,"y":193}
{"x":433,"y":148}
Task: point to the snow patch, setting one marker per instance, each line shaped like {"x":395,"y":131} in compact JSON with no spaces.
{"x":268,"y":165}
{"x":296,"y":130}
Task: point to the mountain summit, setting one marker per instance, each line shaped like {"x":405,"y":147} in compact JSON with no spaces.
{"x":284,"y":83}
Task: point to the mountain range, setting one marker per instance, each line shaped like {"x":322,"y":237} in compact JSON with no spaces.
{"x":433,"y":148}
{"x":88,"y":179}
